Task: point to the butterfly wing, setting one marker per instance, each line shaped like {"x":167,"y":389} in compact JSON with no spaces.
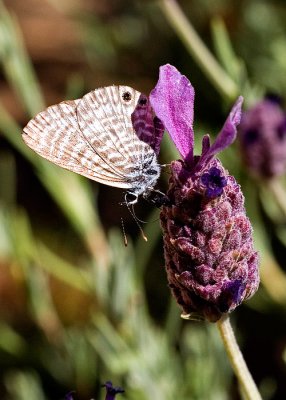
{"x":108,"y":113}
{"x":148,"y":128}
{"x":88,"y":144}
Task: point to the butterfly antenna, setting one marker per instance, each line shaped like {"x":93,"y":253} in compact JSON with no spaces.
{"x":137,"y":221}
{"x":124,"y":234}
{"x":141,"y":220}
{"x":165,"y":166}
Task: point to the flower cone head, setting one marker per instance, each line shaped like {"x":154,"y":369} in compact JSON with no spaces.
{"x":210,"y":261}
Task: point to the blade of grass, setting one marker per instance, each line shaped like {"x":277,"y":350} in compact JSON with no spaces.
{"x":17,"y":65}
{"x":69,"y":191}
{"x":184,"y":29}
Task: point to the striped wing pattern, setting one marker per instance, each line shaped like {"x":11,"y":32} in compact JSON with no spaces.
{"x":92,"y":136}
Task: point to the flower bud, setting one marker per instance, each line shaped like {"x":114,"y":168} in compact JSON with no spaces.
{"x":262,"y":135}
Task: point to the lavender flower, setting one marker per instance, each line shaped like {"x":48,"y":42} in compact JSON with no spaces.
{"x":111,"y":392}
{"x":69,"y":396}
{"x":262,"y":135}
{"x":210,"y":261}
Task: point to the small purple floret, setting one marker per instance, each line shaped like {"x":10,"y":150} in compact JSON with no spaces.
{"x":69,"y":396}
{"x":111,"y":391}
{"x":213,"y":182}
{"x":232,"y":292}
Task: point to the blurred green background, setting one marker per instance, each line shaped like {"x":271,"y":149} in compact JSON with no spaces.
{"x":77,"y":308}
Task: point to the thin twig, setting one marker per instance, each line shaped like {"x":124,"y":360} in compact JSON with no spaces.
{"x":278,"y":192}
{"x":182,"y":26}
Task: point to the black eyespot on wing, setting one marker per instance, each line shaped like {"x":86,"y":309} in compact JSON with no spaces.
{"x":126,"y":96}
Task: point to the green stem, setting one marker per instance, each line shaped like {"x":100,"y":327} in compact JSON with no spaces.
{"x":237,"y":361}
{"x":216,"y":74}
{"x":278,"y":192}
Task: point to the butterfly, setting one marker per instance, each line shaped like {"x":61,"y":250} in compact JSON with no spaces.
{"x":109,"y":135}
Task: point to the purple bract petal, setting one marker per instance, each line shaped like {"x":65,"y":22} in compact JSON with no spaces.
{"x":226,"y":136}
{"x":148,"y":128}
{"x":173,"y":102}
{"x":205,"y":144}
{"x":111,"y":391}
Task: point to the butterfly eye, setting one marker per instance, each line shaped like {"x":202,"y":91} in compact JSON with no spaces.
{"x":143,"y":101}
{"x":126,"y":96}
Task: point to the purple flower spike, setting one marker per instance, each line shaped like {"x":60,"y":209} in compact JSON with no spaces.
{"x":209,"y":256}
{"x":111,"y":391}
{"x":262,"y":135}
{"x":173,"y":102}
